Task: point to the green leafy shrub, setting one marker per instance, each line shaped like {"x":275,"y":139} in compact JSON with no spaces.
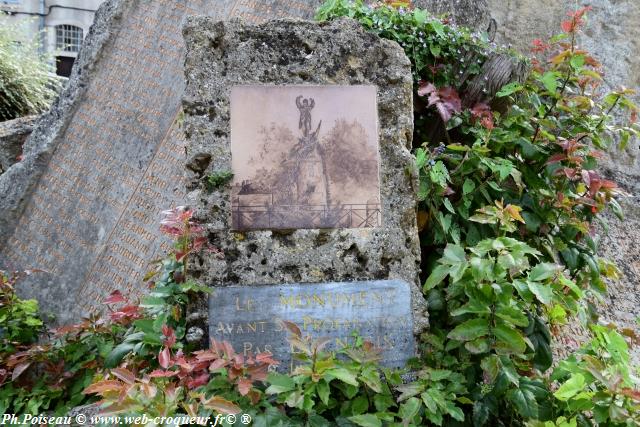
{"x":28,"y":83}
{"x":509,"y":194}
{"x":20,"y":323}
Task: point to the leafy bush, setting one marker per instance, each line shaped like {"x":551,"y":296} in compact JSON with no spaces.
{"x":28,"y":83}
{"x":509,"y":194}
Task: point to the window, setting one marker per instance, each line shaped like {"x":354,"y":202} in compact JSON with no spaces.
{"x":68,"y":38}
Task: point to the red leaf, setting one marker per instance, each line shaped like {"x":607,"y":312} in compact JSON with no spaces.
{"x":426,"y":88}
{"x":567,"y":26}
{"x":217,"y":364}
{"x":103,"y":386}
{"x":197,"y":382}
{"x":221,"y":405}
{"x":266,"y":358}
{"x":124,"y":374}
{"x":158,"y":373}
{"x":244,"y":386}
{"x":164,"y":358}
{"x":539,"y":46}
{"x":169,"y":336}
{"x":556,"y":158}
{"x":127,"y":313}
{"x":115,"y":298}
{"x":609,"y":185}
{"x":292,"y":328}
{"x":18,"y":370}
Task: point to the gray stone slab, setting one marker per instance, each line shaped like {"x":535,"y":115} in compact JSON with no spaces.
{"x":250,"y":317}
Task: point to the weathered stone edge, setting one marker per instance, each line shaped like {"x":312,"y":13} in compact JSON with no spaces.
{"x":17,"y":183}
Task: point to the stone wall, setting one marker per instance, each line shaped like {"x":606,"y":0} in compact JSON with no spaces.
{"x":612,"y":34}
{"x":13,"y":134}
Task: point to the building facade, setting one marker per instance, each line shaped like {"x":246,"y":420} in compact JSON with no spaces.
{"x":58,"y":25}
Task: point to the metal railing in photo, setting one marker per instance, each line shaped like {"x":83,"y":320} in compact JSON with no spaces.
{"x":306,"y":216}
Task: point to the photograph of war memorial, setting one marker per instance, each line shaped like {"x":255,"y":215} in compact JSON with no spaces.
{"x":305,"y":157}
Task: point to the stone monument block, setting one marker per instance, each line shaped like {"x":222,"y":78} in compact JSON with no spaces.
{"x":280,"y":64}
{"x":250,"y":317}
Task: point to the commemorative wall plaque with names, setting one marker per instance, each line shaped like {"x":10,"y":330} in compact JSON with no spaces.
{"x":379,"y":311}
{"x":110,"y":157}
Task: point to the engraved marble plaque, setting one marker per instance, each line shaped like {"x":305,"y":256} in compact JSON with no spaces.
{"x":305,"y":157}
{"x":249,"y":317}
{"x":110,"y":156}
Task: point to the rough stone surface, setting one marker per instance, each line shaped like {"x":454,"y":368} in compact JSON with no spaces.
{"x":470,"y":13}
{"x":13,"y":134}
{"x":221,"y":55}
{"x":612,"y":34}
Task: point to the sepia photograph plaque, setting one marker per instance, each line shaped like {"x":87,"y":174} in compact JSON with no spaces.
{"x":305,"y":157}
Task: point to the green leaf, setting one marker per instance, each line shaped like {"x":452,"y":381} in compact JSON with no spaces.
{"x":455,"y":412}
{"x":366,"y":420}
{"x":343,"y":375}
{"x":480,"y":413}
{"x":478,"y":346}
{"x":571,"y":387}
{"x":409,"y":409}
{"x":322,"y":388}
{"x":316,"y":420}
{"x":421,"y":158}
{"x":577,"y":61}
{"x":438,"y":27}
{"x":510,"y":340}
{"x":439,"y":174}
{"x":543,"y":271}
{"x":550,"y":81}
{"x":509,"y":89}
{"x":359,"y":405}
{"x":470,"y":330}
{"x":436,"y":277}
{"x":524,"y":401}
{"x":454,"y":254}
{"x":371,"y":378}
{"x":468,"y":187}
{"x":420,"y":16}
{"x":512,"y":315}
{"x":279,"y":383}
{"x":491,"y":367}
{"x":117,"y":354}
{"x":544,"y":293}
{"x":449,"y":206}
